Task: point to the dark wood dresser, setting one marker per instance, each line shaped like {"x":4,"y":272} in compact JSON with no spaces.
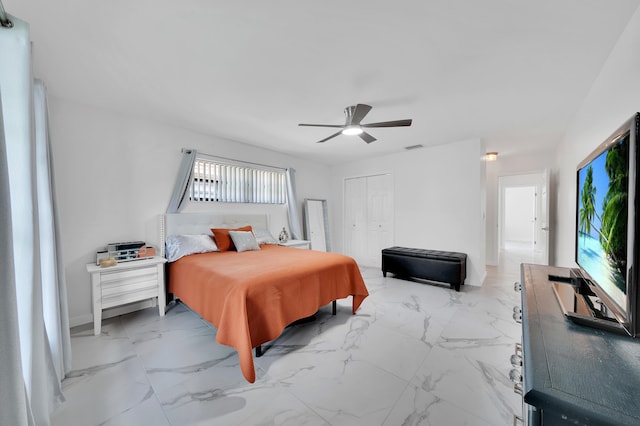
{"x":571,"y":374}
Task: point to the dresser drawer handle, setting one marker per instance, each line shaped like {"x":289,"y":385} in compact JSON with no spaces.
{"x":515,"y":376}
{"x":517,"y":317}
{"x":517,"y":388}
{"x":516,"y":360}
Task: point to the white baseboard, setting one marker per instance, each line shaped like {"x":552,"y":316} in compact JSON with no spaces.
{"x":484,"y":277}
{"x":80,"y":320}
{"x":113,"y":312}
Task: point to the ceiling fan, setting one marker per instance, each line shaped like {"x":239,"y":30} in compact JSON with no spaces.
{"x":353,"y":126}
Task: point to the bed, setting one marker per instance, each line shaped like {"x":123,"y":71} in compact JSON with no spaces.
{"x":252,"y":296}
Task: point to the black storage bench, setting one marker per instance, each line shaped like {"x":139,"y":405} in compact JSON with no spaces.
{"x":432,"y":265}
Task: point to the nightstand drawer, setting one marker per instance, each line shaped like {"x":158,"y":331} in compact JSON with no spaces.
{"x":118,"y":278}
{"x":132,"y":294}
{"x":129,"y":286}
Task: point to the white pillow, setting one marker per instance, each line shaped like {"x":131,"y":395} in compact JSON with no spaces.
{"x":178,"y":246}
{"x":263,"y":236}
{"x":244,"y":241}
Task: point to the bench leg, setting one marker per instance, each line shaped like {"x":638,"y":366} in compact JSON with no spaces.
{"x":384,"y":274}
{"x":258,"y":351}
{"x":334,"y":305}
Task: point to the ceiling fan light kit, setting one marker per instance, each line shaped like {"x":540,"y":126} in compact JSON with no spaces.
{"x":353,"y":126}
{"x":352,"y":130}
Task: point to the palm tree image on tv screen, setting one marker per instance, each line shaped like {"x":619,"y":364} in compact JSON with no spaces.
{"x":602,"y":216}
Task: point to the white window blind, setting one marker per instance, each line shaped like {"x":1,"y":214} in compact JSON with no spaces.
{"x":218,"y":181}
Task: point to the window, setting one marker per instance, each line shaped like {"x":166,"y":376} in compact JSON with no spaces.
{"x":231,"y":183}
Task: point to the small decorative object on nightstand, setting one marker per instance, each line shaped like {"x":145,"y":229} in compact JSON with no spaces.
{"x":126,"y":282}
{"x":303,"y":244}
{"x":284,"y":236}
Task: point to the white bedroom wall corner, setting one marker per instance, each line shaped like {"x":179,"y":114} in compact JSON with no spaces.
{"x":482,"y":228}
{"x":565,"y":204}
{"x":491,"y":232}
{"x":475,"y":173}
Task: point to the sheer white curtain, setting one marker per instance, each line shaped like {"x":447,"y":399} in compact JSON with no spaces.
{"x":13,"y":402}
{"x":32,"y":273}
{"x":54,"y":288}
{"x":183,"y":181}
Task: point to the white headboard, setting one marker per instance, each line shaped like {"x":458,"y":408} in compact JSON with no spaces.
{"x":201,"y":223}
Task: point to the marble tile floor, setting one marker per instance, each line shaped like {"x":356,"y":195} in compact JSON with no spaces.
{"x":414,"y":354}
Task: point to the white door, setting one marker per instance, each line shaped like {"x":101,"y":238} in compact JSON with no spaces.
{"x":355,"y":220}
{"x":379,"y":220}
{"x":368,"y":217}
{"x":541,"y":245}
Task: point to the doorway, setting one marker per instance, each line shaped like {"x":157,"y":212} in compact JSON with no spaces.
{"x":523,"y":224}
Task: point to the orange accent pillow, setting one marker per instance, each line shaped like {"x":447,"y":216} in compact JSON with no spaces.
{"x":223,"y":239}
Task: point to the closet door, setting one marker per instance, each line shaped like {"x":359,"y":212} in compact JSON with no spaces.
{"x":355,"y":221}
{"x":379,"y":217}
{"x":368,"y":217}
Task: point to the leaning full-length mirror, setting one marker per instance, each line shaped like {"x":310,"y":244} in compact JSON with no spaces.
{"x":317,"y":224}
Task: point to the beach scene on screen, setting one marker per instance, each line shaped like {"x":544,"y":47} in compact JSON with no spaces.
{"x":602,"y":220}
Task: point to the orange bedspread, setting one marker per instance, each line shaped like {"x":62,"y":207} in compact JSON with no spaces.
{"x":250,"y":297}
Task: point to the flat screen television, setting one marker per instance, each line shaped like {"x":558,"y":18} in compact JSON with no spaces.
{"x":606,"y":247}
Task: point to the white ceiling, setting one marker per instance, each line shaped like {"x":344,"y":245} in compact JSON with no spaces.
{"x":510,"y":72}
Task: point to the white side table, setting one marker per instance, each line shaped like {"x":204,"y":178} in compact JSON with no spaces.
{"x":303,"y":244}
{"x":124,"y":283}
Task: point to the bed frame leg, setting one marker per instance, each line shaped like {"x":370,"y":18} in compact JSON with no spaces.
{"x":258,"y":351}
{"x":333,"y":306}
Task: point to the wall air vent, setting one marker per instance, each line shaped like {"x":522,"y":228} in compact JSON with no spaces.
{"x":409,"y":148}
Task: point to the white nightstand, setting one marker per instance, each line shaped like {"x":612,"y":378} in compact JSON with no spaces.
{"x":303,"y":244}
{"x":124,"y":283}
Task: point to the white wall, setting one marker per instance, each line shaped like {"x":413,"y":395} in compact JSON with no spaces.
{"x":438,"y":199}
{"x":512,"y":165}
{"x":114,"y":175}
{"x":519,"y":209}
{"x":613,"y":98}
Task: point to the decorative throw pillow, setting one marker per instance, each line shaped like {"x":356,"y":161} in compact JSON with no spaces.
{"x":178,"y":246}
{"x":244,"y":241}
{"x":263,"y":236}
{"x":223,"y":240}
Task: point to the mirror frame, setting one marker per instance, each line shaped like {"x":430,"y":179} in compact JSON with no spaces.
{"x":325,"y":221}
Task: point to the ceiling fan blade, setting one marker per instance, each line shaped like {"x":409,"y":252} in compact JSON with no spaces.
{"x":367,"y":137}
{"x":395,"y":123}
{"x":330,"y":137}
{"x":358,"y":113}
{"x":323,"y":125}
